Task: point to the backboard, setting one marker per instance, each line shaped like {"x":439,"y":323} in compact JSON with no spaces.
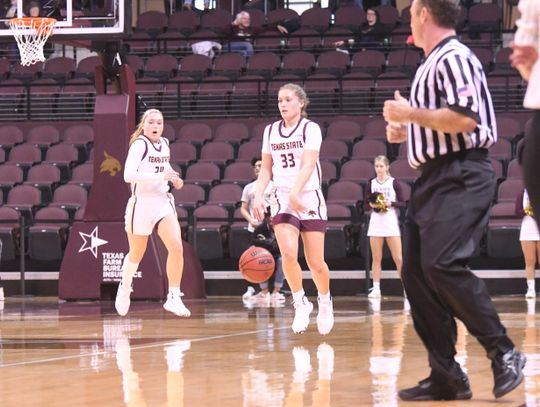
{"x":76,"y":19}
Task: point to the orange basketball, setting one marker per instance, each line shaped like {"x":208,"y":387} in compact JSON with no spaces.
{"x":256,"y":264}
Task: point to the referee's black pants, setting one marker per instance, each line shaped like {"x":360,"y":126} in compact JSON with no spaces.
{"x":531,"y":164}
{"x":446,"y":217}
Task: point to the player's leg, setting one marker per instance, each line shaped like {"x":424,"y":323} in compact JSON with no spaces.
{"x":314,"y":251}
{"x":529,"y":254}
{"x":170,"y":233}
{"x":376,"y":244}
{"x":287,"y":237}
{"x":137,"y":247}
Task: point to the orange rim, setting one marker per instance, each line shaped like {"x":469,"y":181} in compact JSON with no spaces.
{"x":43,"y":25}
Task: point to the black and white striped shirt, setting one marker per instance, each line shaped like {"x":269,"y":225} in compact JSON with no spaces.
{"x":451,"y":77}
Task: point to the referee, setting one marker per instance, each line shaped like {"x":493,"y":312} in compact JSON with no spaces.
{"x":449,"y":124}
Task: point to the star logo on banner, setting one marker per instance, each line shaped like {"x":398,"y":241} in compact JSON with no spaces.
{"x":91,"y":242}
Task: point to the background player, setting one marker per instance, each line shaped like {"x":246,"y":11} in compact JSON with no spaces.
{"x":248,"y":195}
{"x":151,"y":205}
{"x":290,"y":156}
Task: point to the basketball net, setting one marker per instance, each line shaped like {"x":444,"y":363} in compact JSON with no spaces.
{"x":31,"y":34}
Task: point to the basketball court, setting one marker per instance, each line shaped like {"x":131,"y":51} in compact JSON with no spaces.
{"x":227,"y":354}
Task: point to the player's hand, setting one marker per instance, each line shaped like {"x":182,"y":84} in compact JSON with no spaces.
{"x":523,"y":58}
{"x":396,"y":133}
{"x":258,"y":208}
{"x":170,"y":175}
{"x":397,"y":110}
{"x":177,"y":183}
{"x":254,"y":222}
{"x":295,"y":204}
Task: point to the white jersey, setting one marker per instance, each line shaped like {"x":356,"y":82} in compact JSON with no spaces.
{"x":384,"y":224}
{"x":248,"y":196}
{"x":287,"y":149}
{"x":144,"y":167}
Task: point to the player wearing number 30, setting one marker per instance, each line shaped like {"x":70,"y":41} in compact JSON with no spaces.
{"x":150,"y":206}
{"x":290,"y":157}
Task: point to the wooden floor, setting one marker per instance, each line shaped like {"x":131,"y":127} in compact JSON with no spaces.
{"x":83,"y":354}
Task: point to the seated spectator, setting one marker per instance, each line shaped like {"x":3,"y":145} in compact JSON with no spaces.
{"x":241,"y":35}
{"x":188,"y":5}
{"x":371,"y":33}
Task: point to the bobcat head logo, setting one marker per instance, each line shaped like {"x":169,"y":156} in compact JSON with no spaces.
{"x":110,"y":165}
{"x":312,"y":213}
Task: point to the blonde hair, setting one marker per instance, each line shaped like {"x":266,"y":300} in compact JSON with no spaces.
{"x":300,"y":93}
{"x":385,"y":161}
{"x":140,"y":126}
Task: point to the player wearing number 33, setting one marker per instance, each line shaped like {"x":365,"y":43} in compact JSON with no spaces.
{"x":290,"y":157}
{"x":150,"y":206}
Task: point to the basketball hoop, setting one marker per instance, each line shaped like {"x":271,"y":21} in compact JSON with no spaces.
{"x":31,"y":34}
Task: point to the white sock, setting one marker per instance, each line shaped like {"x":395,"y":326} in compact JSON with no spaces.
{"x":128,"y":271}
{"x":174,"y":291}
{"x":530,"y":284}
{"x":377,"y":285}
{"x":325,"y":298}
{"x":298,"y":296}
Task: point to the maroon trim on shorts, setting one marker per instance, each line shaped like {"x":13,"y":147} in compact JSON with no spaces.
{"x":281,"y":123}
{"x":277,"y":201}
{"x":319,"y":205}
{"x":133,"y":216}
{"x":313,"y":225}
{"x":286,"y":218}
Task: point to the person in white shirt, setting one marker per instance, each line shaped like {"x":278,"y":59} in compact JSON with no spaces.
{"x":151,"y":206}
{"x":525,"y":58}
{"x":529,"y":238}
{"x":248,"y":196}
{"x":290,"y":157}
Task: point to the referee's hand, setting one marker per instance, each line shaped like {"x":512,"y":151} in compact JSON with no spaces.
{"x":397,"y":110}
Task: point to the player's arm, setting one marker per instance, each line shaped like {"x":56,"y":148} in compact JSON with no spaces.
{"x":444,"y":119}
{"x":525,"y":46}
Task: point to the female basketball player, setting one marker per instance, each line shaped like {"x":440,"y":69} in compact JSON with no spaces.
{"x":530,"y":240}
{"x":384,"y":220}
{"x":290,"y":157}
{"x":151,"y":205}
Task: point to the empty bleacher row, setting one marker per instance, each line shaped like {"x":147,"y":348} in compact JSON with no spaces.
{"x":230,"y":86}
{"x":45,"y":175}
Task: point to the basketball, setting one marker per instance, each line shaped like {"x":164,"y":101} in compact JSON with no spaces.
{"x":256,"y":264}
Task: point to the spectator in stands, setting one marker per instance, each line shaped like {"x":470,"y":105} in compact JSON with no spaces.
{"x":33,"y":9}
{"x":188,"y":5}
{"x":385,"y":197}
{"x":151,"y":206}
{"x":10,"y":10}
{"x":371,"y":33}
{"x":290,"y":157}
{"x":524,"y":57}
{"x":530,"y":240}
{"x":263,"y":235}
{"x":241,"y":35}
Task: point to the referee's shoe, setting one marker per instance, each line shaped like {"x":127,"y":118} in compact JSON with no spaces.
{"x":507,"y":371}
{"x":430,"y":389}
